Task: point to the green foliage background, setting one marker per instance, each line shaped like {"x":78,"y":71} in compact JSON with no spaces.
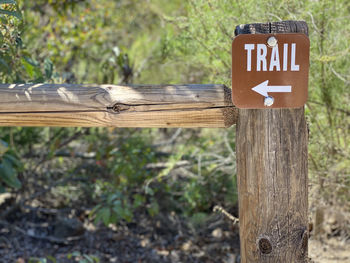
{"x":171,"y":42}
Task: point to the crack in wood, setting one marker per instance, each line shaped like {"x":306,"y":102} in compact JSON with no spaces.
{"x":119,"y":109}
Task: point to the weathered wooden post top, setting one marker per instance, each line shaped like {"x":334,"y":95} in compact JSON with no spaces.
{"x":269,"y":89}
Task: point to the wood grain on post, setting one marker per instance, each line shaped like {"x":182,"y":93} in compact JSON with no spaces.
{"x":272,"y":174}
{"x":116,"y":106}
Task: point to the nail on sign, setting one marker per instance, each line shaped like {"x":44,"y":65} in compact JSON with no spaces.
{"x":270,"y":70}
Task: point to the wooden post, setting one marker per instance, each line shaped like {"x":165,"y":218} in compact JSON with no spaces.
{"x":272,"y":175}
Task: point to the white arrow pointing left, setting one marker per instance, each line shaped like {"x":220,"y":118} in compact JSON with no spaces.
{"x":263,"y":88}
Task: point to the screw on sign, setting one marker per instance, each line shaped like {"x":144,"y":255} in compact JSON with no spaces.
{"x":270,"y":70}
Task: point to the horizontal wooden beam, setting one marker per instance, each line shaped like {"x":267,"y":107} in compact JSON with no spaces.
{"x":68,"y":105}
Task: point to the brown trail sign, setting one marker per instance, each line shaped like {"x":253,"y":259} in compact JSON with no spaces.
{"x":270,"y":70}
{"x":271,"y":143}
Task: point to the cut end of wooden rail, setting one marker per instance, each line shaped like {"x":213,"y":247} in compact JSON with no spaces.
{"x":66,"y":105}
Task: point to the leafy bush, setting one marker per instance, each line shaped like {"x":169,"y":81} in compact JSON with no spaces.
{"x":9,"y":167}
{"x":120,"y":193}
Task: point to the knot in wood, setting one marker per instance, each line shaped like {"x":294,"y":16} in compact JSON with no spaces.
{"x":265,"y":246}
{"x":119,"y":107}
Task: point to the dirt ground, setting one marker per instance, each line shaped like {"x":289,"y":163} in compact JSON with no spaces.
{"x":165,"y":238}
{"x":35,"y":234}
{"x":332,"y":250}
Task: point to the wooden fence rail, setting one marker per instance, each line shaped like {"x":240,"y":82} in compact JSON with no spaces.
{"x":116,"y":106}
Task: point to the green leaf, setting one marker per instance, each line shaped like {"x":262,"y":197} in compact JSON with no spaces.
{"x":105,"y":214}
{"x":76,"y":254}
{"x":3,"y":147}
{"x":48,"y":67}
{"x":52,"y":259}
{"x":138,"y":200}
{"x":113,"y":218}
{"x":31,"y":61}
{"x":4,"y":63}
{"x":7,"y":2}
{"x":89,"y":259}
{"x":19,"y":42}
{"x":117,"y":208}
{"x":11,"y":13}
{"x":37,"y":260}
{"x":13,"y":160}
{"x":8,"y":175}
{"x":96,"y":259}
{"x":32,"y":68}
{"x":127,"y":215}
{"x":153,"y":209}
{"x":149,"y":190}
{"x":29,"y":68}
